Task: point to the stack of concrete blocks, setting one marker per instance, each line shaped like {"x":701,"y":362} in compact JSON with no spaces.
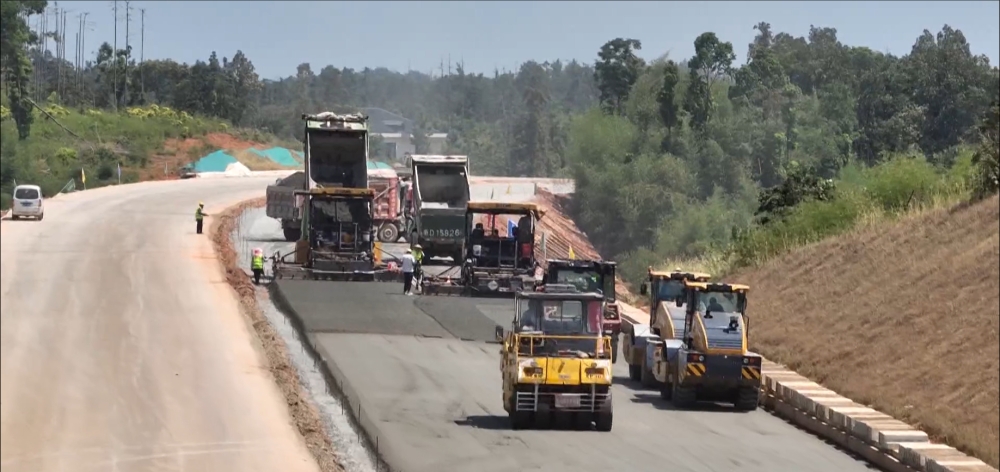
{"x":875,"y":436}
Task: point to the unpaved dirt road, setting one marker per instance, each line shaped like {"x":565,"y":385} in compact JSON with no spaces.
{"x":122,"y":346}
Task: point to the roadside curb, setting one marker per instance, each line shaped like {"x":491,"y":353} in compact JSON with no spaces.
{"x":880,"y":439}
{"x":338,"y":383}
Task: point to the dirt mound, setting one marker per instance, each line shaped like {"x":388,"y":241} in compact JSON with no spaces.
{"x":902,"y":317}
{"x":177,"y":153}
{"x":304,"y":414}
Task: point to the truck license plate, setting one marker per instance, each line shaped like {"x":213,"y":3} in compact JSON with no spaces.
{"x":567,"y":401}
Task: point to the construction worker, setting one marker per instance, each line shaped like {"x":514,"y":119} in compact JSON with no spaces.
{"x":257,"y":264}
{"x":199,"y":216}
{"x":407,"y":262}
{"x":418,"y":259}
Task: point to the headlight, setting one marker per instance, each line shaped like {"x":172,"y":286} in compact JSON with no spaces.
{"x":493,"y":285}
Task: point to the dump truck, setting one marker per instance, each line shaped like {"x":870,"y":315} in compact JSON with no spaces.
{"x":440,"y":193}
{"x":710,"y":360}
{"x":387,"y":211}
{"x":592,"y":276}
{"x":335,"y":207}
{"x":666,"y":320}
{"x":556,"y":361}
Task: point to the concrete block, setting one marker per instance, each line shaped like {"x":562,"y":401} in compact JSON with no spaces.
{"x":888,"y":439}
{"x":787,"y":389}
{"x":817,"y":403}
{"x":838,"y":416}
{"x":867,"y":429}
{"x":806,"y":400}
{"x":968,"y":464}
{"x":915,"y":454}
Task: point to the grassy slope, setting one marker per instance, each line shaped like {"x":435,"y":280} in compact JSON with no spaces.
{"x":150,"y":144}
{"x":902,"y":316}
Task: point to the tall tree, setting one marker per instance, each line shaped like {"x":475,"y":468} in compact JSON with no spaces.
{"x":667,"y":101}
{"x":616,"y":71}
{"x":712,"y":59}
{"x":15,"y":35}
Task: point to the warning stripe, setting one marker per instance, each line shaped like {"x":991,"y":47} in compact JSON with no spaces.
{"x":696,"y":369}
{"x":751,"y":373}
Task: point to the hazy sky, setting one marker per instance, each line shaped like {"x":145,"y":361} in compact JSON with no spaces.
{"x":277,"y":36}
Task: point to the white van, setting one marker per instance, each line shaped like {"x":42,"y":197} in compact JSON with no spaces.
{"x":27,"y":202}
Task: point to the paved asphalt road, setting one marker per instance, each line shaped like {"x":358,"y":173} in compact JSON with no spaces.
{"x":122,"y":346}
{"x":434,"y":399}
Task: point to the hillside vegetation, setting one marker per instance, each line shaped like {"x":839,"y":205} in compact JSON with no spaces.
{"x":900,"y":316}
{"x":149,"y":143}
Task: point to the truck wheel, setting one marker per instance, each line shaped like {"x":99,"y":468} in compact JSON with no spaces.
{"x":666,"y":390}
{"x":292,"y":234}
{"x":520,"y":419}
{"x":684,"y":397}
{"x":388,"y":233}
{"x":646,"y":377}
{"x":604,"y":420}
{"x":747,"y":399}
{"x":634,"y":372}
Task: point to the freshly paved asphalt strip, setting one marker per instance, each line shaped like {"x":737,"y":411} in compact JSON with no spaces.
{"x":434,"y":401}
{"x":123,"y":348}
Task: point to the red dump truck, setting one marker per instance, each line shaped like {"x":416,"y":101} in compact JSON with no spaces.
{"x":387,"y":214}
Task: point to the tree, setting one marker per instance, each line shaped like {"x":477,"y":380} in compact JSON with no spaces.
{"x":712,"y":59}
{"x":616,"y":71}
{"x":667,"y":100}
{"x":15,"y":67}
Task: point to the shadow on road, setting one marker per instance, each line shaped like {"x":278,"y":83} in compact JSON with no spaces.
{"x":490,"y":422}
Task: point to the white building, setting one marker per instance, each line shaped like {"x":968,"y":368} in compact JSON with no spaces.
{"x":397,"y":134}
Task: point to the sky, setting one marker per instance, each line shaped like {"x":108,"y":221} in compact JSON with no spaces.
{"x":484,"y":36}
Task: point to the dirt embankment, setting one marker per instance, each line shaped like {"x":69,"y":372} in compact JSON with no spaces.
{"x":903,"y":317}
{"x":177,"y":153}
{"x":304,"y":414}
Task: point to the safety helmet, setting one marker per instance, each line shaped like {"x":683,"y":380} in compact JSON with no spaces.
{"x":258,"y":251}
{"x":201,"y":204}
{"x":417,"y":246}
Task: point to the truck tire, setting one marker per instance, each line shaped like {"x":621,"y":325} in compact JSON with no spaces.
{"x":388,"y":233}
{"x":292,"y":234}
{"x":646,"y":377}
{"x":683,"y":397}
{"x":634,"y":372}
{"x":604,"y":420}
{"x":747,"y":399}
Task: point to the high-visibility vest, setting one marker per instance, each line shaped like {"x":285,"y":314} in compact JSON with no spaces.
{"x":198,"y":215}
{"x":257,"y":262}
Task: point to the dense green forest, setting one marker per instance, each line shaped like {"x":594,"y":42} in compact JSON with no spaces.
{"x":687,"y":157}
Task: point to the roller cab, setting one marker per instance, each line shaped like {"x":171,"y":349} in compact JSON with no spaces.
{"x":556,"y":361}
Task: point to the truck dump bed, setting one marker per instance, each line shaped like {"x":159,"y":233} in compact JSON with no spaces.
{"x":336,"y":150}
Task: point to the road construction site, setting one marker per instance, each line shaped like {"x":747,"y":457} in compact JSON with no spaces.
{"x":420,"y":376}
{"x":124,"y":349}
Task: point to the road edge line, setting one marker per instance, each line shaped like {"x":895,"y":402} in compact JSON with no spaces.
{"x":880,"y":439}
{"x":303,"y":412}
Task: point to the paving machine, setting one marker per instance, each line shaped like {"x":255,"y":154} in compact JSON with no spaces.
{"x":666,"y":320}
{"x":591,"y":276}
{"x":556,"y":360}
{"x":710,"y":361}
{"x":496,"y":263}
{"x":334,"y":204}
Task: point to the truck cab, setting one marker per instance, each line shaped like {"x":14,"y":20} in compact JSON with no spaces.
{"x":666,"y":319}
{"x":556,"y":360}
{"x":591,"y":276}
{"x":713,"y":362}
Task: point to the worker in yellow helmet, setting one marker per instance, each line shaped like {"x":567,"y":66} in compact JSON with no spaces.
{"x":257,"y":264}
{"x":199,"y":216}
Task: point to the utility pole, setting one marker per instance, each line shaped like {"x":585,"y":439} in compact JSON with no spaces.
{"x":114,"y":57}
{"x":142,"y":53}
{"x":128,"y":8}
